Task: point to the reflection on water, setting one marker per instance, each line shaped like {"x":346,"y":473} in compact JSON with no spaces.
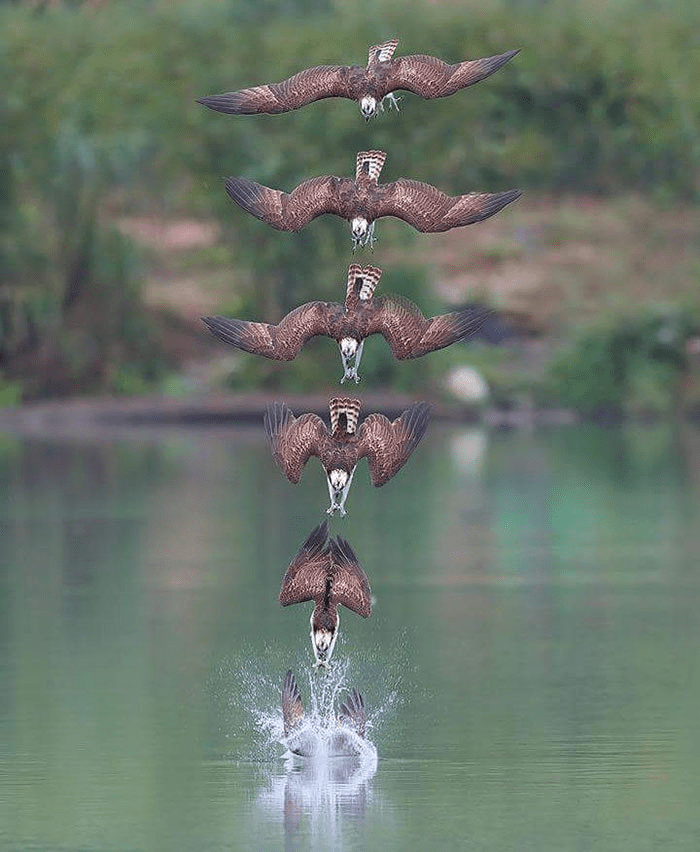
{"x":319,"y":799}
{"x":535,"y":614}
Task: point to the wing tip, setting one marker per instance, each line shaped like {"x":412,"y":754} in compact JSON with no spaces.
{"x":353,"y":712}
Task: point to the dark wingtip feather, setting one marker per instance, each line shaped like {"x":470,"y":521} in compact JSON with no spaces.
{"x":342,"y":550}
{"x":230,"y":103}
{"x":354,"y":713}
{"x":470,"y":321}
{"x":292,"y":708}
{"x":228,"y":330}
{"x":416,"y":419}
{"x":501,"y":59}
{"x":316,"y":538}
{"x":276,"y":414}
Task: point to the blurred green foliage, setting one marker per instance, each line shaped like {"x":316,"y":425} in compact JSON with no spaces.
{"x":601,"y":99}
{"x":70,"y":311}
{"x":636,"y":365}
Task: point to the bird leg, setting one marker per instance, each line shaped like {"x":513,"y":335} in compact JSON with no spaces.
{"x":344,"y":495}
{"x":338,"y":498}
{"x":362,"y":240}
{"x":358,"y":357}
{"x":348,"y":367}
{"x":331,"y":492}
{"x":393,"y":101}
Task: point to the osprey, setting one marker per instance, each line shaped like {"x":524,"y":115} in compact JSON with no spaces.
{"x":345,"y":740}
{"x":328,"y":574}
{"x":386,"y":445}
{"x":426,"y":76}
{"x":407,"y":331}
{"x":363,"y":200}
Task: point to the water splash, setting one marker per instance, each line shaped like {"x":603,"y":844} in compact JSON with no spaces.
{"x":248,"y":693}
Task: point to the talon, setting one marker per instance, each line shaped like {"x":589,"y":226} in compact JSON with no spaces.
{"x":357,"y":379}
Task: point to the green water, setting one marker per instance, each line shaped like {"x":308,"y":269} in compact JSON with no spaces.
{"x":533,"y":649}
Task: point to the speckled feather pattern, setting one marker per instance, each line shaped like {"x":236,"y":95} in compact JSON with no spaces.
{"x":419,"y":204}
{"x":386,"y":444}
{"x":329,"y":574}
{"x":425,"y":76}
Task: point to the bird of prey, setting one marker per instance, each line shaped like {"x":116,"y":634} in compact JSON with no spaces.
{"x":328,"y":574}
{"x":386,"y":444}
{"x":361,"y":201}
{"x":407,"y":331}
{"x":426,"y":76}
{"x":345,"y":739}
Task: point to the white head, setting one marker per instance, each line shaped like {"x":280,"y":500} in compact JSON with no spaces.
{"x":348,"y":346}
{"x":338,"y":479}
{"x":359,"y":227}
{"x":368,"y":106}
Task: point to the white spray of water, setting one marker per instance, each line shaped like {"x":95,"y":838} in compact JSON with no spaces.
{"x":254,"y":707}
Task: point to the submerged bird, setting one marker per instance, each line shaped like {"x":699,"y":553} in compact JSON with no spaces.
{"x":361,"y":201}
{"x":387,"y":445}
{"x":345,"y":740}
{"x":330,"y":575}
{"x":426,"y":76}
{"x":407,"y":331}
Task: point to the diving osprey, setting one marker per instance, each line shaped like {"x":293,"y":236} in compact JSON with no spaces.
{"x":346,"y":739}
{"x":386,"y":445}
{"x":328,"y":574}
{"x":407,"y":331}
{"x":363,"y":200}
{"x":426,"y":76}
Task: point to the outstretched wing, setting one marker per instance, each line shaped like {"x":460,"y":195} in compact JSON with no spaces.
{"x":283,"y":341}
{"x":305,"y":579}
{"x":293,"y":440}
{"x":430,"y":77}
{"x":286,"y":211}
{"x":388,"y":445}
{"x":292,"y":708}
{"x":429,"y":210}
{"x":313,"y":84}
{"x":353,"y":712}
{"x":410,"y":334}
{"x":350,"y":586}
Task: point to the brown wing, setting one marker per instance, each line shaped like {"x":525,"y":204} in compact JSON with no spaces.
{"x":313,"y":84}
{"x":293,"y":440}
{"x":430,"y":77}
{"x":410,"y":334}
{"x":388,"y":445}
{"x":292,"y":708}
{"x":350,"y":586}
{"x":286,"y":211}
{"x":353,"y":712}
{"x":429,"y":210}
{"x":283,"y":341}
{"x":305,"y":579}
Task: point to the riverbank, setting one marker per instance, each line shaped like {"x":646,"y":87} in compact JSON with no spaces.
{"x":122,"y":414}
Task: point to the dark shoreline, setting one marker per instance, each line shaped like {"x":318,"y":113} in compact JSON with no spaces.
{"x":216,"y":410}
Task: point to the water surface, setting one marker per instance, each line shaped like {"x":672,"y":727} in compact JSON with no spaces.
{"x":531,"y":660}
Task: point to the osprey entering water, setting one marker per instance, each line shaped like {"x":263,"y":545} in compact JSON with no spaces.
{"x":407,"y":331}
{"x":386,"y":445}
{"x":330,"y":575}
{"x":345,"y":740}
{"x":426,"y":76}
{"x":361,"y":201}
